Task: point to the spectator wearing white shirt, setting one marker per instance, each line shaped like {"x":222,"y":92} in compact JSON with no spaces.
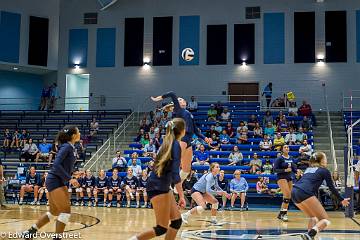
{"x":218,"y":127}
{"x":119,"y":162}
{"x":192,"y":105}
{"x":300,"y":136}
{"x":225,"y":115}
{"x":149,"y":149}
{"x":306,"y":148}
{"x":137,"y":171}
{"x":265,"y":144}
{"x":258,"y":131}
{"x":290,"y":138}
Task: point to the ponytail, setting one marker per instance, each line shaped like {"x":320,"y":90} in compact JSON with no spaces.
{"x":174,"y":128}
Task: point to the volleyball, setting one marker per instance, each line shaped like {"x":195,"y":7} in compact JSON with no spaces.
{"x":188,"y":54}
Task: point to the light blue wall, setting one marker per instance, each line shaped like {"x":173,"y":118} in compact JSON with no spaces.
{"x":274,"y":38}
{"x":14,"y":86}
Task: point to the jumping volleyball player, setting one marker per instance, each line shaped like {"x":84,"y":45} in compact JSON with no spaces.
{"x":55,"y":182}
{"x":305,"y":191}
{"x":203,"y":192}
{"x":166,"y":173}
{"x":191,"y":129}
{"x":284,"y":166}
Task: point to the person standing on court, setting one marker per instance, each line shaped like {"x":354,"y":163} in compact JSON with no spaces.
{"x":57,"y":182}
{"x":268,"y":94}
{"x":2,"y":195}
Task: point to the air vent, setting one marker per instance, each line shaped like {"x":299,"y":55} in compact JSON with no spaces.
{"x":253,"y":12}
{"x":90,"y":18}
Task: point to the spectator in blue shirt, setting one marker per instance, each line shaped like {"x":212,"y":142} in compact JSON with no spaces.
{"x":32,"y":184}
{"x":202,"y":157}
{"x":238,"y":188}
{"x":268,"y":94}
{"x":224,"y":137}
{"x":44,"y":151}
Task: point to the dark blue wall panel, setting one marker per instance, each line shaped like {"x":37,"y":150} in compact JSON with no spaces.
{"x":78,"y":47}
{"x":189,"y":40}
{"x":358,"y":35}
{"x":274,"y":38}
{"x":105,"y":47}
{"x":9,"y":37}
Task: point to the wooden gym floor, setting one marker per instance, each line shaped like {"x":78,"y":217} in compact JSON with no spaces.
{"x":121,"y":223}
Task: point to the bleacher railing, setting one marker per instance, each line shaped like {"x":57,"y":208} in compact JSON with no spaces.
{"x":351,"y":100}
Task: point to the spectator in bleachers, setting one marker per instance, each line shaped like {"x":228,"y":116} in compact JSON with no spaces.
{"x":305,"y":109}
{"x":152,"y":132}
{"x":149,"y":149}
{"x":43,"y":189}
{"x":145,"y":140}
{"x":44,"y":151}
{"x":114,"y":188}
{"x":187,"y":186}
{"x":134,"y":155}
{"x":94,"y":128}
{"x":202,"y":157}
{"x":258,"y":131}
{"x":265,"y":144}
{"x":144,"y":125}
{"x":212,"y":113}
{"x":255,"y":164}
{"x":300,"y":136}
{"x":225,"y":115}
{"x":87,"y":185}
{"x":292,"y":124}
{"x":29,"y":151}
{"x":262,"y":187}
{"x":243,"y":138}
{"x":54,"y":149}
{"x":136,"y":168}
{"x":150,"y":166}
{"x":130,"y":184}
{"x":303,"y":161}
{"x":230,"y":130}
{"x":281,"y":122}
{"x":7,"y":138}
{"x":32,"y":184}
{"x":218,"y":127}
{"x":211,"y":131}
{"x":145,"y":120}
{"x":157,"y":140}
{"x":238,"y":188}
{"x":240,"y":128}
{"x":235,"y":157}
{"x":267,"y":118}
{"x":306,"y":148}
{"x":269,"y":129}
{"x":268,"y":94}
{"x":279,"y":102}
{"x":224,"y":137}
{"x":25,"y":135}
{"x":16,"y":138}
{"x":298,"y":175}
{"x":290,"y":138}
{"x":219,"y":108}
{"x":45,"y":95}
{"x":80,"y":150}
{"x":54,"y":95}
{"x":192,"y":105}
{"x":141,"y":190}
{"x":267,"y":168}
{"x":306,"y":124}
{"x":252,"y":122}
{"x":215,"y":144}
{"x":140,"y":135}
{"x":101,"y":186}
{"x":224,"y":185}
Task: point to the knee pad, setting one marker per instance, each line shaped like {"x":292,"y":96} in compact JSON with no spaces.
{"x":286,"y":200}
{"x":327,"y":222}
{"x":215,"y":206}
{"x":88,"y":190}
{"x":159,"y":230}
{"x":46,"y":191}
{"x":64,"y":218}
{"x":176,"y":224}
{"x":50,"y":216}
{"x":200,"y":209}
{"x":183,"y":175}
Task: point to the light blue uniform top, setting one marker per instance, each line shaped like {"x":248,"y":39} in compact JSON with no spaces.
{"x":240,"y":185}
{"x":208,"y":183}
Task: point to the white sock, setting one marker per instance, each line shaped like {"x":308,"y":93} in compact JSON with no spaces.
{"x":35,"y":199}
{"x":21,"y":199}
{"x":133,"y":238}
{"x":138,"y":203}
{"x":213,"y":217}
{"x":35,"y":226}
{"x":188,"y":213}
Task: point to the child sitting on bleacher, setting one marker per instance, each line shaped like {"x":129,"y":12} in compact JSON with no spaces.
{"x":32,"y":184}
{"x":238,"y":188}
{"x":261,"y":186}
{"x":235,"y":157}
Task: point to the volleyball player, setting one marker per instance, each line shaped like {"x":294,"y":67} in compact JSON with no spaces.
{"x":88,"y":184}
{"x":55,"y":182}
{"x":284,"y":166}
{"x":203,"y":192}
{"x":114,"y":188}
{"x":143,"y":180}
{"x":166,"y":173}
{"x":33,"y":184}
{"x":130,"y":183}
{"x":305,"y":191}
{"x":191,"y":129}
{"x":43,"y":190}
{"x":101,"y":184}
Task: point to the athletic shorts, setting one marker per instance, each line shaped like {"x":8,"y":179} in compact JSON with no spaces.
{"x":298,"y":195}
{"x":193,"y":190}
{"x":188,"y":139}
{"x":287,"y":178}
{"x":53,"y":182}
{"x":154,"y":193}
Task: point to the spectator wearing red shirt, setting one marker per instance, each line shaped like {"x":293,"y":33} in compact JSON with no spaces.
{"x":230,"y":130}
{"x":305,"y":110}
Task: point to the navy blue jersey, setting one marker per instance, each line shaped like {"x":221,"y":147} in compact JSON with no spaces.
{"x":313,"y":178}
{"x":189,"y":183}
{"x":88,"y":182}
{"x":132,"y":182}
{"x":180,"y":112}
{"x":170,"y":173}
{"x":114,"y":182}
{"x":64,"y":162}
{"x":33,"y":180}
{"x":282,"y":163}
{"x":101,"y":182}
{"x":224,"y":184}
{"x":143,"y":182}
